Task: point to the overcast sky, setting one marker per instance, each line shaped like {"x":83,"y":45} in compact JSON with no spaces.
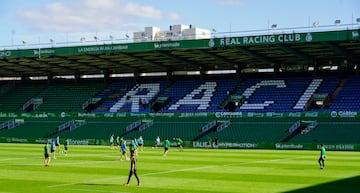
{"x":36,"y":21}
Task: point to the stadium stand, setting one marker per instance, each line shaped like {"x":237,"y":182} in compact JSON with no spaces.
{"x":198,"y":95}
{"x":139,"y":97}
{"x":187,"y":128}
{"x":67,"y":97}
{"x":275,"y":85}
{"x":279,"y":95}
{"x":99,"y":129}
{"x":111,"y":94}
{"x":129,"y":97}
{"x":348,"y":97}
{"x":285,"y":92}
{"x":33,"y":128}
{"x":19,"y":94}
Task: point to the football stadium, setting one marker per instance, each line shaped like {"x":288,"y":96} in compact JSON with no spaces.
{"x":250,"y":111}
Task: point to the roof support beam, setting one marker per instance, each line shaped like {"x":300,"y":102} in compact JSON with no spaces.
{"x":216,"y":57}
{"x":111,"y":62}
{"x":75,"y":61}
{"x":296,"y":53}
{"x":339,"y":50}
{"x":32,"y":67}
{"x":257,"y":56}
{"x":179,"y":59}
{"x":143,"y":61}
{"x":58,"y":66}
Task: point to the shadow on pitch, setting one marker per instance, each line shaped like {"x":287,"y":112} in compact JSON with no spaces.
{"x":348,"y":185}
{"x":93,"y":184}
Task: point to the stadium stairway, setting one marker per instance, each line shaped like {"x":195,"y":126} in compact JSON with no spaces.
{"x":70,"y":125}
{"x":213,"y":126}
{"x":253,"y":131}
{"x":300,"y":127}
{"x":338,"y":131}
{"x":11,"y":124}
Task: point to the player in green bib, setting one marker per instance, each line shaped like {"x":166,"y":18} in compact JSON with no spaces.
{"x":46,"y":154}
{"x":133,"y":147}
{"x":66,"y":146}
{"x":322,"y":156}
{"x":166,"y":147}
{"x":179,"y":143}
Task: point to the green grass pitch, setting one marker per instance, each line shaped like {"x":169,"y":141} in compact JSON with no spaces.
{"x":98,"y":169}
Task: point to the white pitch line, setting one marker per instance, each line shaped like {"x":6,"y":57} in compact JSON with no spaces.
{"x":180,"y":170}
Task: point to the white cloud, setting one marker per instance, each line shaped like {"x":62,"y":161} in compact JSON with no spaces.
{"x":229,"y":2}
{"x":91,"y":15}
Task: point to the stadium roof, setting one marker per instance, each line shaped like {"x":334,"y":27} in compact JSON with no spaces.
{"x":289,"y":50}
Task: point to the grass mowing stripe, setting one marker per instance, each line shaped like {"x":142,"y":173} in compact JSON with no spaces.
{"x":11,"y":159}
{"x":175,"y":171}
{"x":98,"y":169}
{"x":91,"y":190}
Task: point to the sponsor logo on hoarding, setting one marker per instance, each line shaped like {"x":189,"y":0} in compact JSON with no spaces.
{"x":288,"y":146}
{"x":343,"y":114}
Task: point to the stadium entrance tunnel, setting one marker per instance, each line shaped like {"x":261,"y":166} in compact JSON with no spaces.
{"x":234,"y":102}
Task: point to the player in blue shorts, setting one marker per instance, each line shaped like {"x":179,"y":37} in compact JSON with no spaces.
{"x":157,"y":142}
{"x":52,"y":149}
{"x":111,"y":140}
{"x":123,"y":150}
{"x":57,"y":143}
{"x":140,"y":142}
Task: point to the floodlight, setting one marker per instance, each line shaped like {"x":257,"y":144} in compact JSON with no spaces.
{"x":52,"y":42}
{"x":337,"y":22}
{"x":96,"y":38}
{"x":316,"y":23}
{"x":273,"y":26}
{"x":358,"y":20}
{"x":127,"y":36}
{"x":82,"y":40}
